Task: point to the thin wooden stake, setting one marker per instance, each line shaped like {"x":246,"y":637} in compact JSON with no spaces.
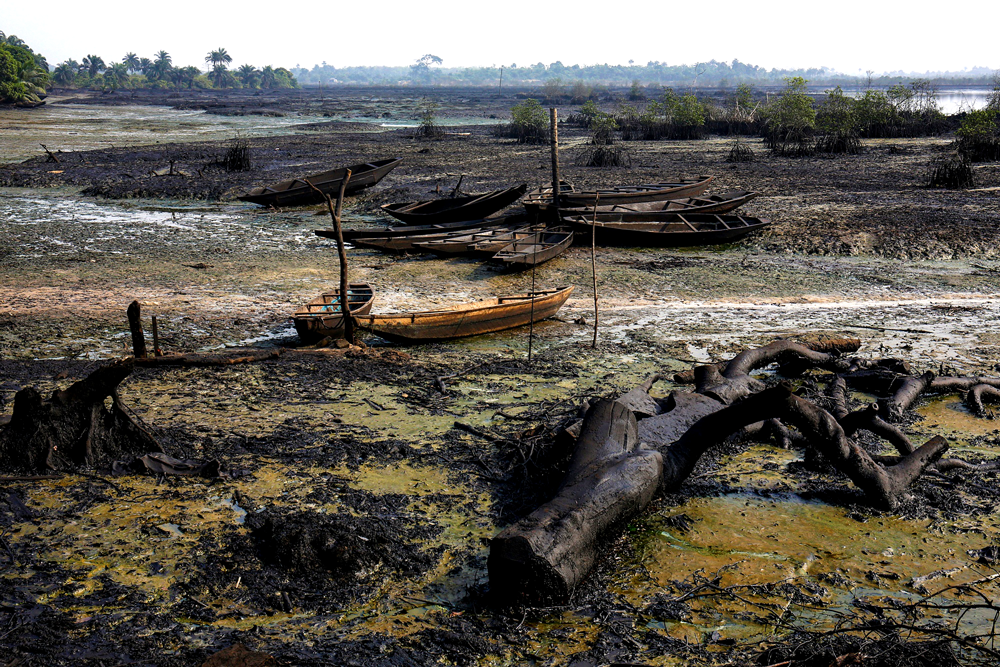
{"x":593,"y":263}
{"x":135,"y":326}
{"x":341,"y":253}
{"x":531,"y":319}
{"x":553,"y":117}
{"x":156,"y":339}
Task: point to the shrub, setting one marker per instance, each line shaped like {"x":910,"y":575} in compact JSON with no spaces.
{"x":740,"y":152}
{"x":427,"y":112}
{"x":605,"y":152}
{"x":791,"y":120}
{"x":979,"y":136}
{"x":529,"y":123}
{"x":952,"y":171}
{"x":837,"y":125}
{"x":238,"y":156}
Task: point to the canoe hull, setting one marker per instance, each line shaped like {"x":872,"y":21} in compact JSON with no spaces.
{"x":680,"y":231}
{"x":322,"y":317}
{"x":540,"y":200}
{"x":457,"y":209}
{"x":536,"y":248}
{"x":649,"y":211}
{"x":467,"y":320}
{"x":296,"y":191}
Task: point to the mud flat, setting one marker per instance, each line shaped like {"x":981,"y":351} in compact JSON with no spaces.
{"x":362,"y":451}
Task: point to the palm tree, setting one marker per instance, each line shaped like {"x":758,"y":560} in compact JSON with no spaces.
{"x":161,"y":66}
{"x":218,"y":58}
{"x":65,"y":73}
{"x":115,"y":76}
{"x":184,"y":75}
{"x":248,"y":75}
{"x":145,"y":65}
{"x":267,"y":77}
{"x":94,"y":65}
{"x":131,"y":61}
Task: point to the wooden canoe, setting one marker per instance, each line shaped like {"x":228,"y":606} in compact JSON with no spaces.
{"x":296,"y":191}
{"x":536,"y":248}
{"x":481,"y":243}
{"x":415,"y":241}
{"x":323,"y":316}
{"x":468,"y":319}
{"x":674,"y":231}
{"x":702,"y":204}
{"x":351,"y":235}
{"x":569,"y":197}
{"x":455,"y":209}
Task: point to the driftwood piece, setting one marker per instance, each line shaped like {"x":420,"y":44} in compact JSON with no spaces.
{"x":542,"y":558}
{"x":905,"y":391}
{"x":236,"y":355}
{"x":883,"y":487}
{"x":978,"y":394}
{"x":75,"y":427}
{"x":830,"y":346}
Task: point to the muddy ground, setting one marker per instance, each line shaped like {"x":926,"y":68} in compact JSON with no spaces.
{"x":352,"y":522}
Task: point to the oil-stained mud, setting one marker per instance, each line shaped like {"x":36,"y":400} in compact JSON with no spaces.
{"x":351,"y":526}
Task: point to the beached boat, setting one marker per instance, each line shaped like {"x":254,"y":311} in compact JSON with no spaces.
{"x":540,"y":199}
{"x":480,"y":243}
{"x":454,"y":209}
{"x":351,"y":235}
{"x":702,"y":204}
{"x":536,"y":248}
{"x":672,"y":231}
{"x":323,"y":317}
{"x":296,"y":191}
{"x":467,"y":319}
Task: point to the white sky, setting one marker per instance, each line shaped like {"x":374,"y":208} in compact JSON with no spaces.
{"x":854,"y":36}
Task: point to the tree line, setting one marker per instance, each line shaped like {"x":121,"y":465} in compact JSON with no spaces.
{"x":429,"y":70}
{"x":159,"y":72}
{"x":25,"y":75}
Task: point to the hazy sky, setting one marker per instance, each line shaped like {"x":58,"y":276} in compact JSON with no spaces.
{"x":848,"y":36}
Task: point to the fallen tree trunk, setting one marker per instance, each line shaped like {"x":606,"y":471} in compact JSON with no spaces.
{"x":191,"y":359}
{"x":542,"y":558}
{"x":75,"y":427}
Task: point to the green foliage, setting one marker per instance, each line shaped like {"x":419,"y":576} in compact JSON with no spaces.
{"x":589,"y":109}
{"x":837,"y":124}
{"x":22,"y":78}
{"x":791,"y":120}
{"x":979,"y":136}
{"x":529,"y":123}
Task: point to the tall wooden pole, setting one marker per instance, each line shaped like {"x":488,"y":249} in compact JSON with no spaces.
{"x":593,"y":262}
{"x":554,"y":127}
{"x":500,"y":91}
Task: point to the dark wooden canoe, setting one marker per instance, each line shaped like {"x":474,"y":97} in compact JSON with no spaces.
{"x":479,"y":243}
{"x":672,"y":231}
{"x":702,"y":204}
{"x":323,"y":317}
{"x":536,"y":248}
{"x":455,"y":209}
{"x":414,"y":241}
{"x":569,"y":197}
{"x":467,"y":319}
{"x":296,"y":191}
{"x":416,"y":230}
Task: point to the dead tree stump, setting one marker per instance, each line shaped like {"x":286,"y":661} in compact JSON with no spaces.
{"x":543,"y":557}
{"x":84,"y":425}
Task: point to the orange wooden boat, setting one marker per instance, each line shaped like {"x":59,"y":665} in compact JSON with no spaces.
{"x":467,"y":319}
